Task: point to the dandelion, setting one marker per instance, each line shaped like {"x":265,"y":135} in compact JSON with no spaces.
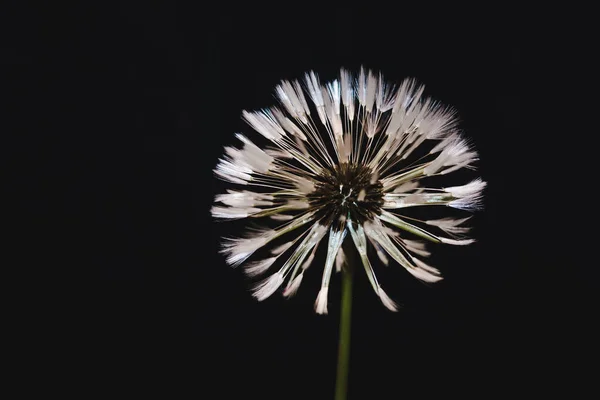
{"x":346,"y":167}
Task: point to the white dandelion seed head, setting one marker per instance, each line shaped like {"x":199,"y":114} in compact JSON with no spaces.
{"x":346,"y":165}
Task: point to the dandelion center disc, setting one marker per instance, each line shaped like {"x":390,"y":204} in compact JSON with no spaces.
{"x":347,"y":190}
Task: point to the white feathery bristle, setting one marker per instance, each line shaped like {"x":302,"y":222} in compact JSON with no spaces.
{"x":346,"y":148}
{"x":235,"y":199}
{"x":440,"y":122}
{"x":415,"y":98}
{"x":303,"y":102}
{"x":321,"y":302}
{"x":308,"y":261}
{"x":232,"y":213}
{"x":340,"y":258}
{"x":459,"y":155}
{"x":302,"y":147}
{"x":252,"y":156}
{"x":422,"y":253}
{"x":230,"y":172}
{"x":445,"y":223}
{"x":370,"y":127}
{"x":236,"y":259}
{"x":264,"y":123}
{"x":284,"y":96}
{"x":288,"y":125}
{"x":380,"y":92}
{"x":267,"y":287}
{"x":475,"y":187}
{"x":385,"y":95}
{"x":304,"y":185}
{"x":244,"y":199}
{"x":314,"y":91}
{"x":384,"y":259}
{"x":347,"y":90}
{"x":293,"y":128}
{"x":282,"y":217}
{"x":346,"y":86}
{"x":462,"y":242}
{"x":443,"y":143}
{"x":416,"y":139}
{"x":389,"y":231}
{"x":259,"y":267}
{"x":334,"y":91}
{"x":362,"y":87}
{"x":230,"y":178}
{"x":297,"y":204}
{"x":292,"y":288}
{"x":424,"y":275}
{"x":381,"y":254}
{"x":406,"y":187}
{"x":279,"y":153}
{"x":468,"y":203}
{"x":332,"y":115}
{"x":450,"y":225}
{"x":455,"y":149}
{"x":416,"y":247}
{"x":251,"y":243}
{"x":371,"y":89}
{"x":318,"y":231}
{"x":385,"y":299}
{"x":292,"y":100}
{"x":239,"y":249}
{"x":414,"y":244}
{"x":282,"y":248}
{"x":455,"y":155}
{"x":425,"y":266}
{"x":393,"y":128}
{"x":464,"y":164}
{"x":406,"y":92}
{"x":439,"y":161}
{"x":314,"y":88}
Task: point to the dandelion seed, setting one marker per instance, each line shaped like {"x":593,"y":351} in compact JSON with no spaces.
{"x":345,"y":167}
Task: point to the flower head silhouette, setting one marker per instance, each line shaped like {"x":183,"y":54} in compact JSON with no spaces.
{"x":345,"y":167}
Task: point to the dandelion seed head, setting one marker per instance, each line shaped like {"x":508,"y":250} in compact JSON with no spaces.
{"x":346,"y":161}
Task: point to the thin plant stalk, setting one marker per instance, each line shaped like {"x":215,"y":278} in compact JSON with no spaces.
{"x":341,"y":386}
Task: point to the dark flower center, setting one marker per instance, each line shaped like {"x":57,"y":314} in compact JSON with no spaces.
{"x":348,"y":190}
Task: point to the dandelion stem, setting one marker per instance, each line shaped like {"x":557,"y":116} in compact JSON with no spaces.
{"x":341,"y":387}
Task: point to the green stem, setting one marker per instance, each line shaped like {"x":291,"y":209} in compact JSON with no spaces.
{"x":341,"y":386}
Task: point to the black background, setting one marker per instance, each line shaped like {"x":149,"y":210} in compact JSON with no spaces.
{"x":133,"y":106}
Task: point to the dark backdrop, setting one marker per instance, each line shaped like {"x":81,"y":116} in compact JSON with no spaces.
{"x":149,"y":96}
